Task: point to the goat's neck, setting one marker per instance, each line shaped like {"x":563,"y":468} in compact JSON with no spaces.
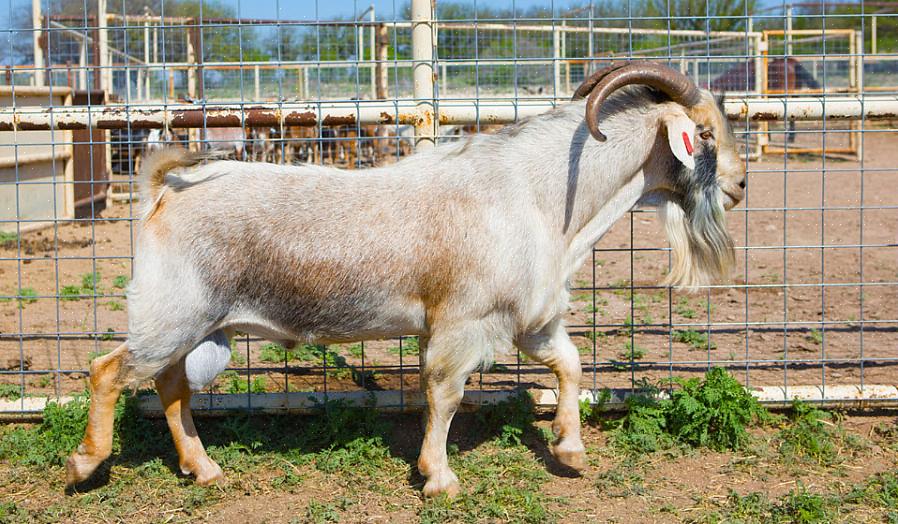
{"x":593,"y":184}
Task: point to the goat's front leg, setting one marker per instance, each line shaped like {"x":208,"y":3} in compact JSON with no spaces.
{"x":174,"y":392}
{"x":554,"y":348}
{"x":451,"y":355}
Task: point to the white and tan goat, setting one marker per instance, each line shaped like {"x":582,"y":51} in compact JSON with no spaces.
{"x":468,"y":246}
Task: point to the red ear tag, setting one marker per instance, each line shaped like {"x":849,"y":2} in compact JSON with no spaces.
{"x":687,"y":143}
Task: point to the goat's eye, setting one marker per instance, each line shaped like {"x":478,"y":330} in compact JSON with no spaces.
{"x":706,"y":135}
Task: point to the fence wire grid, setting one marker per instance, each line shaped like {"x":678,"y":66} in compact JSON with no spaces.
{"x":814,"y":301}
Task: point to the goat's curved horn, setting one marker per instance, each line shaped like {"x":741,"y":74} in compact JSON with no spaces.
{"x":587,"y":86}
{"x":674,"y":84}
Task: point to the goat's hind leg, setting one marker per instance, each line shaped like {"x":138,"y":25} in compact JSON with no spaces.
{"x":175,"y":393}
{"x":554,"y":348}
{"x":109,"y":375}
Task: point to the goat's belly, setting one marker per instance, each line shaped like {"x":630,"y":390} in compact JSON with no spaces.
{"x":330,"y":321}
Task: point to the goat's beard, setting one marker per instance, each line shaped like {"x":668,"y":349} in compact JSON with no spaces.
{"x":696,"y":229}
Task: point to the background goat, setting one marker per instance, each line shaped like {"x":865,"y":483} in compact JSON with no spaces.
{"x":468,"y":246}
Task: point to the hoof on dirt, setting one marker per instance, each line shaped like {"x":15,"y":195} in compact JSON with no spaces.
{"x":573,"y":457}
{"x":79,"y":468}
{"x":445,"y":483}
{"x":206,"y":475}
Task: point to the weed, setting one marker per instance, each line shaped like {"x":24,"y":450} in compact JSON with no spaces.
{"x":108,"y":335}
{"x":10,"y":391}
{"x":90,"y":282}
{"x":319,"y":513}
{"x":811,"y":435}
{"x":26,"y":295}
{"x":355,"y":350}
{"x":683,"y":308}
{"x":631,"y":351}
{"x":798,"y":506}
{"x":8,"y":239}
{"x":507,"y":421}
{"x":621,"y":482}
{"x":410,"y":347}
{"x":70,"y":293}
{"x":234,"y":383}
{"x":120,"y":282}
{"x":43,"y":381}
{"x":815,"y":336}
{"x":95,"y":354}
{"x":115,"y":305}
{"x":694,"y":339}
{"x":590,"y":413}
{"x":712,"y":412}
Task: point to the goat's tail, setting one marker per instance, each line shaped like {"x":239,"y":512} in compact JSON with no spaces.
{"x":157,"y":164}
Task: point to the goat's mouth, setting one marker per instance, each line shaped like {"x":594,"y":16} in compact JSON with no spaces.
{"x":731,"y":198}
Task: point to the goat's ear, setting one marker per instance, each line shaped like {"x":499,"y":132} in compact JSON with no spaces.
{"x":680,"y":136}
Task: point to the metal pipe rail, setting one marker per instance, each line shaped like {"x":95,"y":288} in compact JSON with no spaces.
{"x":183,"y":116}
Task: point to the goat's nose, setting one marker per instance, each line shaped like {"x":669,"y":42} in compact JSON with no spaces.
{"x":742,"y":183}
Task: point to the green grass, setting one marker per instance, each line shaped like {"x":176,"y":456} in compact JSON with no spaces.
{"x":711,"y":412}
{"x":70,"y":293}
{"x":320,"y":356}
{"x":26,"y":295}
{"x":90,"y":282}
{"x":815,"y":336}
{"x":8,"y":239}
{"x":410,"y":347}
{"x":115,"y":305}
{"x":10,"y":391}
{"x":235,"y":383}
{"x":694,"y":339}
{"x":814,"y":436}
{"x":120,"y":282}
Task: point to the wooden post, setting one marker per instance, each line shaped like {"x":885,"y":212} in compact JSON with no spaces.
{"x":383,"y":47}
{"x":422,"y":62}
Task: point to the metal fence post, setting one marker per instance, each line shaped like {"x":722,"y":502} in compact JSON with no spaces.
{"x":422,"y":64}
{"x":36,"y":19}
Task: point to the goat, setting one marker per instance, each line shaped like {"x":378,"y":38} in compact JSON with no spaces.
{"x":469,"y":246}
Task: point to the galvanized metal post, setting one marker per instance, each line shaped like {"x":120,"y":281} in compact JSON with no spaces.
{"x":103,"y":37}
{"x":36,"y":20}
{"x":422,"y":64}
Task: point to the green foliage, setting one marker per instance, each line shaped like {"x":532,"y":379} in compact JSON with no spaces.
{"x":70,"y":293}
{"x":235,"y":383}
{"x":684,"y":309}
{"x":10,"y":391}
{"x":355,"y":350}
{"x":90,"y":282}
{"x":590,"y":413}
{"x":26,"y":295}
{"x":507,"y":421}
{"x":115,"y":305}
{"x":631,"y":351}
{"x":409,"y":347}
{"x":815,"y":336}
{"x":693,"y":338}
{"x":8,"y":239}
{"x":712,"y":412}
{"x":120,"y":282}
{"x":813,"y":436}
{"x":507,"y":486}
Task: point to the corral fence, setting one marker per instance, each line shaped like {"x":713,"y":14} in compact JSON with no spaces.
{"x":811,"y":90}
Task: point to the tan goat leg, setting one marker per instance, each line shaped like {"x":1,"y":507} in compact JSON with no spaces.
{"x":175,"y":394}
{"x":108,"y":377}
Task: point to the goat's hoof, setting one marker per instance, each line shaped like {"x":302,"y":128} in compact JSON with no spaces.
{"x":572,"y":456}
{"x":80,"y":467}
{"x":444,"y":483}
{"x":207,"y":474}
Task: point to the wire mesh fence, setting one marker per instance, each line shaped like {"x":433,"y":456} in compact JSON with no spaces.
{"x":91,"y":87}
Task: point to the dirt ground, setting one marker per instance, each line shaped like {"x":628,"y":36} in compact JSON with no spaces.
{"x":269,"y":483}
{"x":823,"y":310}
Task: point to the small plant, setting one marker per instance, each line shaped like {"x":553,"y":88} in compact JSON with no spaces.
{"x":684,"y":309}
{"x":812,"y":435}
{"x":589,"y":412}
{"x":95,"y":354}
{"x":508,"y":420}
{"x":8,"y":239}
{"x":90,"y":282}
{"x":694,"y":339}
{"x":10,"y":391}
{"x":26,"y":295}
{"x":815,"y":336}
{"x":711,"y":412}
{"x":120,"y":282}
{"x":631,"y":351}
{"x":115,"y":305}
{"x":43,"y":381}
{"x":70,"y":293}
{"x":355,"y":350}
{"x":409,"y":347}
{"x":235,"y":383}
{"x":108,"y":335}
